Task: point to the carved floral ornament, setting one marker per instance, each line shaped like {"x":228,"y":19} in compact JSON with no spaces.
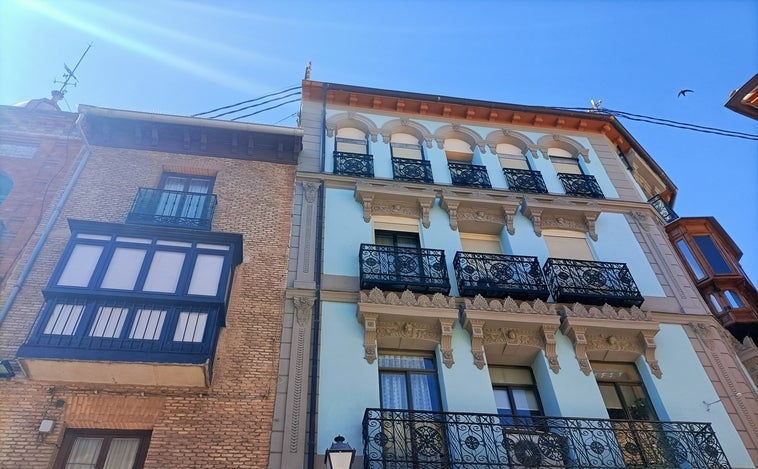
{"x":629,"y":335}
{"x":521,"y":329}
{"x":395,"y":200}
{"x":567,"y":215}
{"x":479,"y":212}
{"x":407,"y":321}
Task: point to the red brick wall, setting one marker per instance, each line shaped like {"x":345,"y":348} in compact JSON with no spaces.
{"x":227,"y":425}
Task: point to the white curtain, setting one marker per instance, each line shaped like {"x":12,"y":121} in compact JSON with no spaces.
{"x":122,"y":453}
{"x":84,"y":453}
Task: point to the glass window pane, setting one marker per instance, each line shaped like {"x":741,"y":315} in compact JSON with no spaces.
{"x":64,"y":319}
{"x":164,"y":272}
{"x":733,"y":299}
{"x":200,"y":186}
{"x":84,"y":453}
{"x":121,"y":453}
{"x":714,"y":302}
{"x":109,"y":322}
{"x":148,"y":324}
{"x":510,"y":375}
{"x":405,"y":150}
{"x":123,"y":269}
{"x":525,"y":399}
{"x":206,"y":275}
{"x":502,"y":401}
{"x":80,"y":266}
{"x":694,"y":265}
{"x":406,"y":362}
{"x":174,"y":183}
{"x":190,"y":327}
{"x":513,"y":162}
{"x":712,"y":254}
{"x":393,"y":391}
{"x":217,"y":247}
{"x":424,"y":392}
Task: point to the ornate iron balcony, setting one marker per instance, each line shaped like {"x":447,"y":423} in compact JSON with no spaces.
{"x":353,"y":164}
{"x":664,"y":210}
{"x":407,"y":169}
{"x":174,"y":208}
{"x":433,"y":440}
{"x":499,"y":276}
{"x":581,"y":185}
{"x":591,"y":282}
{"x":399,"y":269}
{"x":524,"y":180}
{"x":469,"y":175}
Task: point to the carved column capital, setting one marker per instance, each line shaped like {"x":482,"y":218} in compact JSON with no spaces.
{"x":548,"y":334}
{"x":369,"y":336}
{"x":648,"y":344}
{"x":578,"y":336}
{"x":303,"y":309}
{"x":311,"y":191}
{"x":446,"y":341}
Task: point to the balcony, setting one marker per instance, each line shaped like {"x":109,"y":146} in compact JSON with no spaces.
{"x":433,"y":440}
{"x":524,"y":180}
{"x":591,"y":282}
{"x":663,"y":209}
{"x":499,"y":276}
{"x":400,"y":268}
{"x":412,"y":170}
{"x":581,"y":185}
{"x":469,"y":175}
{"x":353,"y":164}
{"x":122,"y":342}
{"x":172,"y":208}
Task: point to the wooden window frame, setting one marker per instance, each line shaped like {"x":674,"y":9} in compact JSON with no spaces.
{"x":71,"y":435}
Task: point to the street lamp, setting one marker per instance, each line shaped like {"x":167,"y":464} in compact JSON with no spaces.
{"x":340,"y":455}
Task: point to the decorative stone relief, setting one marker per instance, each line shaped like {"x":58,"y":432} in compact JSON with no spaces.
{"x":509,"y":305}
{"x":392,"y":199}
{"x":480,"y":213}
{"x":369,"y":337}
{"x":546,"y":213}
{"x":476,"y":329}
{"x":311,"y":191}
{"x":703,"y":332}
{"x":303,"y":309}
{"x":407,"y":298}
{"x":606,"y":312}
{"x":579,"y":339}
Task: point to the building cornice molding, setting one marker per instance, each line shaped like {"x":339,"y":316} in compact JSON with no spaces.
{"x":480,"y":212}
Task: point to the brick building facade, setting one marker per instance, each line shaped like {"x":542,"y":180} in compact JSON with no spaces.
{"x":123,"y":365}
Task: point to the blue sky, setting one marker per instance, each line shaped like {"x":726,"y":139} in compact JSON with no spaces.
{"x":186,"y":57}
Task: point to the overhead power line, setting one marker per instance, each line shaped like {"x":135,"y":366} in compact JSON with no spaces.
{"x":291,"y":88}
{"x":267,"y":109}
{"x":256,"y":105}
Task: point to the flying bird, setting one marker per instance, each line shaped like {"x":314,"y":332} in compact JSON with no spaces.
{"x":684,"y":93}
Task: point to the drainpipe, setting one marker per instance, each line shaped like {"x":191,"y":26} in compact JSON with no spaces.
{"x":312,"y":450}
{"x":49,"y":227}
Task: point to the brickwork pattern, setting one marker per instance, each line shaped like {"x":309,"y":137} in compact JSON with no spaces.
{"x":227,"y":425}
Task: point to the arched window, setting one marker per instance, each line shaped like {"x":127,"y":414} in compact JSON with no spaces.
{"x":511,"y":156}
{"x":405,"y":145}
{"x":351,"y":140}
{"x":5,"y":187}
{"x":458,"y":150}
{"x":563,"y":161}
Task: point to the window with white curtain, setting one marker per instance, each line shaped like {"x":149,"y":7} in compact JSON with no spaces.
{"x":103,"y":449}
{"x":408,"y":382}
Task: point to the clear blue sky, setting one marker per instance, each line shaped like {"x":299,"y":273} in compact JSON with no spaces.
{"x":186,"y":57}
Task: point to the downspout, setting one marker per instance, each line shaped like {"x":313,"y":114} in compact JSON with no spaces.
{"x":312,"y":450}
{"x":49,"y":227}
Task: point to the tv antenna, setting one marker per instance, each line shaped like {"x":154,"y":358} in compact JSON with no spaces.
{"x":69,"y":75}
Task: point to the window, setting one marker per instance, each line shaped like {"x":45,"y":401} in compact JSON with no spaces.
{"x":408,"y":382}
{"x":565,"y":244}
{"x":733,"y":299}
{"x":712,"y":255}
{"x":715,"y":303}
{"x":623,"y":394}
{"x":693,"y":263}
{"x":511,"y":156}
{"x":127,"y":263}
{"x":563,"y":161}
{"x":351,"y":140}
{"x":103,"y":449}
{"x":516,"y":395}
{"x":406,"y":146}
{"x":458,"y":150}
{"x":487,"y":244}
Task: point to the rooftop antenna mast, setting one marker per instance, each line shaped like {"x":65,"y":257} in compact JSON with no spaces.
{"x":69,"y":75}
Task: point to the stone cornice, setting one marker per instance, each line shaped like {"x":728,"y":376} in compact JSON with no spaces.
{"x":394,"y":199}
{"x":579,"y":215}
{"x":480,"y":212}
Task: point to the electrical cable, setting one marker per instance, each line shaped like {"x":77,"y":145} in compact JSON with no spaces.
{"x":267,"y":109}
{"x":294,"y":87}
{"x":255,"y":105}
{"x":285,"y":118}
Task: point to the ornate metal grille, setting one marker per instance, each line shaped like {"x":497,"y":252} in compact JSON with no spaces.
{"x":353,"y":164}
{"x":433,"y":440}
{"x":163,"y":207}
{"x":581,"y":185}
{"x":469,"y":175}
{"x":664,"y":210}
{"x":524,"y":180}
{"x":400,"y":268}
{"x":499,"y":276}
{"x":408,"y":169}
{"x":591,"y":282}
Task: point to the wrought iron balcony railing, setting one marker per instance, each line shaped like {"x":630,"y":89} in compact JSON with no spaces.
{"x":591,"y":282}
{"x":524,"y":180}
{"x":353,"y":164}
{"x":581,"y":185}
{"x":174,"y":208}
{"x":411,"y":170}
{"x":400,"y":268}
{"x":469,"y":175}
{"x":499,"y":276}
{"x":433,"y":440}
{"x":664,"y":210}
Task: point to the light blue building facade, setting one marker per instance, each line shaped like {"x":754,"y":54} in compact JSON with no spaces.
{"x":486,"y":285}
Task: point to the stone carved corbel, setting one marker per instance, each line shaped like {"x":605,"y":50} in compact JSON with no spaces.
{"x":648,"y":344}
{"x":585,"y":154}
{"x":509,"y":212}
{"x":536,"y":216}
{"x":369,"y":336}
{"x":367,"y":200}
{"x":589,"y":220}
{"x":578,"y":336}
{"x":426,"y":206}
{"x":446,"y":341}
{"x":550,"y":352}
{"x":476,"y":329}
{"x":303,"y":309}
{"x":452,"y":210}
